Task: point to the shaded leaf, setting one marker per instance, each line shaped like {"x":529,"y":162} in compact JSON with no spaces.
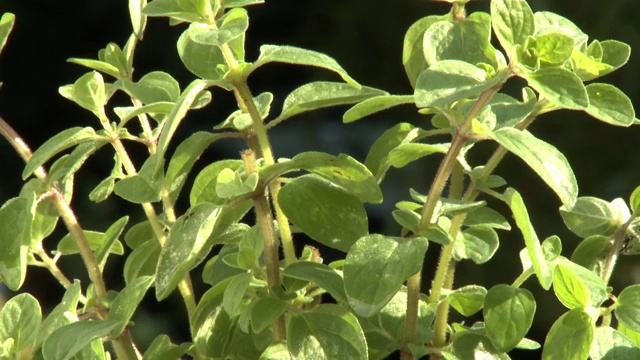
{"x":508,"y":315}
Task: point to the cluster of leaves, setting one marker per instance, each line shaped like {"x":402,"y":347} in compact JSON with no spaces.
{"x":261,"y":306}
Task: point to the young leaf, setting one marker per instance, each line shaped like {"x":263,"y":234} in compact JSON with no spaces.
{"x":330,"y":330}
{"x":569,"y":289}
{"x":6,"y":25}
{"x":64,"y":313}
{"x":467,"y":300}
{"x":512,"y":22}
{"x":561,"y":86}
{"x":404,"y":154}
{"x":634,"y":200}
{"x":467,"y":41}
{"x":320,"y":274}
{"x":327,"y":214}
{"x":610,"y":344}
{"x":204,"y":186}
{"x":549,"y":163}
{"x":615,"y":54}
{"x":396,"y":258}
{"x":508,"y":314}
{"x":14,"y":219}
{"x":205,"y":61}
{"x":188,"y":237}
{"x":156,"y":86}
{"x":176,"y":10}
{"x":548,"y":22}
{"x":553,"y":48}
{"x":234,"y":25}
{"x":276,"y":351}
{"x":485,"y":216}
{"x":68,"y":340}
{"x":186,"y":154}
{"x":138,"y":20}
{"x":450,"y":80}
{"x":590,"y":216}
{"x":265,"y":312}
{"x":374,"y":105}
{"x":478,"y":243}
{"x":298,"y":56}
{"x":628,"y":307}
{"x":342,"y":170}
{"x":67,"y":167}
{"x":610,"y":105}
{"x":570,"y":337}
{"x":597,"y":288}
{"x":58,"y":143}
{"x":322,"y":94}
{"x":592,"y":252}
{"x":127,"y":301}
{"x":162,"y":349}
{"x":20,"y":319}
{"x":412,"y":54}
{"x":89,"y":92}
{"x":538,"y":261}
{"x":377,"y":160}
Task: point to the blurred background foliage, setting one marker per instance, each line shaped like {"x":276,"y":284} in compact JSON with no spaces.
{"x":365,"y":37}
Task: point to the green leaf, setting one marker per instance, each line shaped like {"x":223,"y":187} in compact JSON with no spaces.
{"x":412,"y":54}
{"x":342,"y":170}
{"x":97,"y":65}
{"x":188,"y":237}
{"x":634,"y":200}
{"x":590,"y":216}
{"x":68,"y":340}
{"x":299,"y":56}
{"x":205,"y":61}
{"x":632,"y":335}
{"x":390,"y":260}
{"x":14,"y":222}
{"x":103,"y":190}
{"x":553,"y":48}
{"x":512,"y":22}
{"x":538,"y":261}
{"x":610,"y":344}
{"x":230,"y":184}
{"x":548,"y":22}
{"x":327,"y":214}
{"x":569,"y":289}
{"x":6,"y":25}
{"x":404,"y":154}
{"x":374,"y":105}
{"x":326,"y":332}
{"x":322,"y":94}
{"x":320,"y":274}
{"x":615,"y":54}
{"x":204,"y":186}
{"x":127,"y":301}
{"x":240,"y":3}
{"x":597,"y":288}
{"x":628,"y":307}
{"x":68,"y":246}
{"x":591,"y":253}
{"x":186,"y":100}
{"x":234,"y":24}
{"x":156,"y":86}
{"x":235,"y":292}
{"x":64,"y":313}
{"x":20,"y":319}
{"x":485,"y":216}
{"x":450,"y":80}
{"x":508,"y":314}
{"x":142,"y":261}
{"x":478,"y":243}
{"x":467,"y":40}
{"x":549,"y":163}
{"x":467,"y":300}
{"x":377,"y":160}
{"x":560,"y":86}
{"x":89,"y":92}
{"x":138,"y":20}
{"x":610,"y":105}
{"x":110,"y":241}
{"x":58,"y":143}
{"x":178,"y":10}
{"x":66,"y":166}
{"x":570,"y":337}
{"x":265,"y":312}
{"x":162,"y":349}
{"x":211,"y":325}
{"x":276,"y":351}
{"x":183,"y":159}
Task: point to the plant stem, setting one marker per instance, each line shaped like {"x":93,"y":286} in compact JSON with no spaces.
{"x":430,"y":216}
{"x":70,"y":220}
{"x":265,"y":220}
{"x":618,"y":243}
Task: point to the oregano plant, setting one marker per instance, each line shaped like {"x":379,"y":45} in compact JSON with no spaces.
{"x":270,"y":294}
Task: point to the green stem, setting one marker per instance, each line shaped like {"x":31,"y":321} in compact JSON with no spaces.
{"x":523,"y":277}
{"x":70,"y":220}
{"x":430,"y":216}
{"x":48,"y":263}
{"x":265,"y":220}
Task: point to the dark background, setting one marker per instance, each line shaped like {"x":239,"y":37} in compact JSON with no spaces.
{"x":365,"y":37}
